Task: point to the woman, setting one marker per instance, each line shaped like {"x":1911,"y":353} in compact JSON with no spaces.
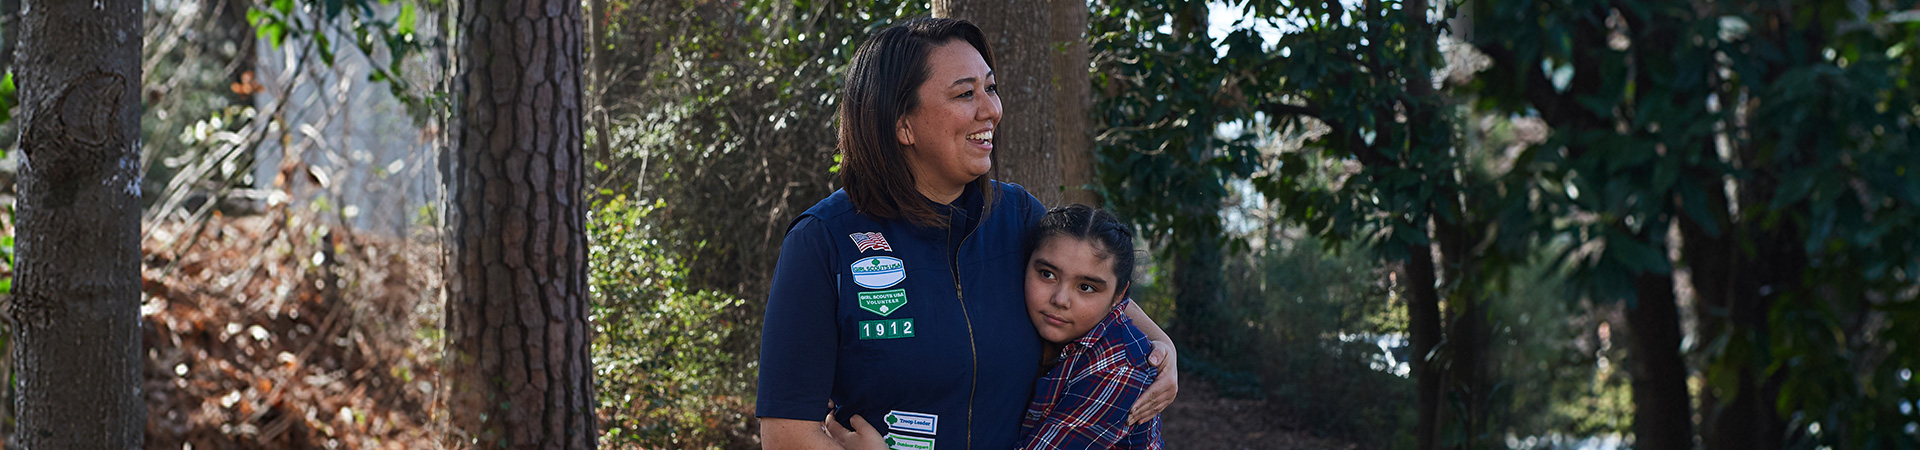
{"x":899,"y":298}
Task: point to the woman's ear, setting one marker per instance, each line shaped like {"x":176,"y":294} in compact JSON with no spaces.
{"x":903,"y":133}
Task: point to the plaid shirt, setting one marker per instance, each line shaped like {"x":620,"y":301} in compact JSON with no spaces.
{"x":1083,"y":402}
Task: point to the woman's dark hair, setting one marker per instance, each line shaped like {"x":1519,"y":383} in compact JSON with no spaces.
{"x":1093,"y":225}
{"x":882,"y":84}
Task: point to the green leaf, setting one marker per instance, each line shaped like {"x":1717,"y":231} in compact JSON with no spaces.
{"x":404,"y":24}
{"x":325,"y":46}
{"x":1635,"y":255}
{"x":332,"y":7}
{"x":7,"y":100}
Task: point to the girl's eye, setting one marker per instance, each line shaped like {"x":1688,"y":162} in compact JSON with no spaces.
{"x":1047,"y":274}
{"x":1088,"y":288}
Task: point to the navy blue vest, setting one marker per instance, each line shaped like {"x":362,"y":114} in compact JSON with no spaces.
{"x":872,"y":315}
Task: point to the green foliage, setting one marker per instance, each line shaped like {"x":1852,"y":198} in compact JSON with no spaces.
{"x":663,"y":367}
{"x":1315,"y":317}
{"x":385,"y":33}
{"x":1557,"y":366}
{"x":1161,"y":162}
{"x":7,"y":97}
{"x":1777,"y":138}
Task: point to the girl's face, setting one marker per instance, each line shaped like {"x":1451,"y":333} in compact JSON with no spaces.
{"x":1070,"y":287}
{"x":949,"y":136}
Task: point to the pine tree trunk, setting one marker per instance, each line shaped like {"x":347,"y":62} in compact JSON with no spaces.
{"x":75,"y":307}
{"x":1026,"y":143}
{"x":519,"y":374}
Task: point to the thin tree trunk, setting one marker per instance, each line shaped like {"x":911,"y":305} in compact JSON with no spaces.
{"x":1423,"y":310}
{"x":597,"y":79}
{"x":76,"y":294}
{"x":1729,"y":303}
{"x":1662,"y":414}
{"x":519,"y":372}
{"x":1423,"y":323}
{"x":1026,"y":143}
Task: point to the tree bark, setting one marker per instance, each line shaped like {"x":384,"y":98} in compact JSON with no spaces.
{"x":1662,"y":413}
{"x":1423,"y":323}
{"x":597,"y":78}
{"x":518,"y":368}
{"x":1072,"y":89}
{"x":1026,"y":142}
{"x":75,"y":306}
{"x":1729,"y":302}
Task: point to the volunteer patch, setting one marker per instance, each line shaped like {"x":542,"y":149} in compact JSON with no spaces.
{"x":898,"y":442}
{"x":912,"y":421}
{"x":883,"y":302}
{"x":870,"y":241}
{"x":878,"y":272}
{"x":886,"y":329}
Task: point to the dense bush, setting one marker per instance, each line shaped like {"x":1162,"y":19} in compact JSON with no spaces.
{"x":1315,"y":319}
{"x":667,"y":365}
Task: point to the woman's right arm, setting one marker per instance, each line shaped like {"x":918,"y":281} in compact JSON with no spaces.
{"x":798,"y":343}
{"x":790,"y":434}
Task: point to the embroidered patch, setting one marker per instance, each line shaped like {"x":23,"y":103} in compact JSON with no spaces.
{"x":870,"y":241}
{"x":886,"y":329}
{"x":898,"y":442}
{"x":912,"y":421}
{"x":878,"y":272}
{"x":883,"y":302}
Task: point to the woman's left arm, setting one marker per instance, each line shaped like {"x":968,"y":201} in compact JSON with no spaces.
{"x":1164,"y":387}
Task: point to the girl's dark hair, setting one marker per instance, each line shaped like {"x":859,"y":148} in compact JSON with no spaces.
{"x":882,"y":84}
{"x":1092,"y":225}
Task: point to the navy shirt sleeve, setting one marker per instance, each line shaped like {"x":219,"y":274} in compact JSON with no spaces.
{"x":799,"y":337}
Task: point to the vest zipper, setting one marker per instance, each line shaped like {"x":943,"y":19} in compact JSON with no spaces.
{"x":972,"y":344}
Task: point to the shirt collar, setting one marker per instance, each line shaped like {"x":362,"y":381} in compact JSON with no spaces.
{"x":1099,"y":331}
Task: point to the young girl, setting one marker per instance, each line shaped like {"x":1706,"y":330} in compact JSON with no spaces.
{"x":1096,"y":360}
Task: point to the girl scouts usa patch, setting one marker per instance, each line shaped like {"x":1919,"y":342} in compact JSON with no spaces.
{"x":878,"y":272}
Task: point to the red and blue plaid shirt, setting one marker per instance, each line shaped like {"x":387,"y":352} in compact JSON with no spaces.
{"x":1083,"y":402}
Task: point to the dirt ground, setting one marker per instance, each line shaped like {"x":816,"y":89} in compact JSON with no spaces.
{"x":1199,"y":419}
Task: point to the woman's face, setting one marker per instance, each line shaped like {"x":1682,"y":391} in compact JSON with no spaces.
{"x":1070,"y":287}
{"x":949,"y":137}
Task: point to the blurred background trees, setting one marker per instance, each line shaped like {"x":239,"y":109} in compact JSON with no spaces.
{"x":1373,"y":223}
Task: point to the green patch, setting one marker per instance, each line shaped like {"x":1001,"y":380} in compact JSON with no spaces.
{"x":886,"y":329}
{"x":883,"y":302}
{"x":898,"y":442}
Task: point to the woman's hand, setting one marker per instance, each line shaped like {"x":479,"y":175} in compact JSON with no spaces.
{"x":1164,"y":387}
{"x":861,"y":437}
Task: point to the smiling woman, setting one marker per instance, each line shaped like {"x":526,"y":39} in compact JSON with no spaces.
{"x":896,"y":301}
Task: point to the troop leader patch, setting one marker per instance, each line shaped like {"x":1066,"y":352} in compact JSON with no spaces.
{"x":912,"y":421}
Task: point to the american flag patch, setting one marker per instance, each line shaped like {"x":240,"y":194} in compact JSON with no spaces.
{"x":870,"y":241}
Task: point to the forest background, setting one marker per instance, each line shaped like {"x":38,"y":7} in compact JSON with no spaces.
{"x":1372,"y":223}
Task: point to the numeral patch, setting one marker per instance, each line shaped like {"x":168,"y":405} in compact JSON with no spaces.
{"x":886,"y":329}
